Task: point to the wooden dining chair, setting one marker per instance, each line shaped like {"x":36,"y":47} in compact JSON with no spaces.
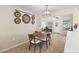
{"x":34,"y":41}
{"x":46,"y":38}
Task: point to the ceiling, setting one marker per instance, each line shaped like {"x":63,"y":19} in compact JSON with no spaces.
{"x":39,"y":8}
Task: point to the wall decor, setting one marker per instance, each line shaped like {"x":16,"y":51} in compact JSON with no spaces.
{"x":75,"y":26}
{"x":17,"y":20}
{"x":33,"y":19}
{"x":26,"y":18}
{"x":56,"y":24}
{"x":17,"y":13}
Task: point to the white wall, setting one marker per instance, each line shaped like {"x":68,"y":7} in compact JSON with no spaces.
{"x":11,"y":33}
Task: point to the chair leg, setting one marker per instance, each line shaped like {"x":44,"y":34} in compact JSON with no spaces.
{"x":40,"y":46}
{"x":49,"y":42}
{"x":34,"y":48}
{"x":46,"y":45}
{"x":29,"y":46}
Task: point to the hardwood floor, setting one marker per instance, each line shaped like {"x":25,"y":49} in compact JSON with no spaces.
{"x":56,"y":46}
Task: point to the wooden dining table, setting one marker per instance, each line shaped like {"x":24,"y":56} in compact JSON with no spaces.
{"x":40,"y":34}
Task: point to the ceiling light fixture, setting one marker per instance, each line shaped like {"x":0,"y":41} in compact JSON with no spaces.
{"x":46,"y":12}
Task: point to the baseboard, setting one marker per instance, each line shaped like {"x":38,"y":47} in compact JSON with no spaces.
{"x":13,"y":46}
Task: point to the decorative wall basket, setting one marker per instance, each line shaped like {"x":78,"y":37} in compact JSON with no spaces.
{"x":17,"y":20}
{"x":33,"y":19}
{"x":33,"y":22}
{"x":17,"y":14}
{"x":26,"y":18}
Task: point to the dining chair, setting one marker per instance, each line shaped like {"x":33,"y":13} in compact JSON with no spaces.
{"x":46,"y":38}
{"x":49,"y":38}
{"x":34,"y":41}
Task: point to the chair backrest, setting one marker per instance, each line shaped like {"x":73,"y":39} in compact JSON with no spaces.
{"x":31,"y":37}
{"x":48,"y":35}
{"x":36,"y":31}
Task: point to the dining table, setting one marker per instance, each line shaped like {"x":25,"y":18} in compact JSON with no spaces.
{"x":40,"y":34}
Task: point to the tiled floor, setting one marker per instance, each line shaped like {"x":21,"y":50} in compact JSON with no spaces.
{"x":56,"y":46}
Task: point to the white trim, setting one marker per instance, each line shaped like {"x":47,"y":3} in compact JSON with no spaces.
{"x":13,"y":46}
